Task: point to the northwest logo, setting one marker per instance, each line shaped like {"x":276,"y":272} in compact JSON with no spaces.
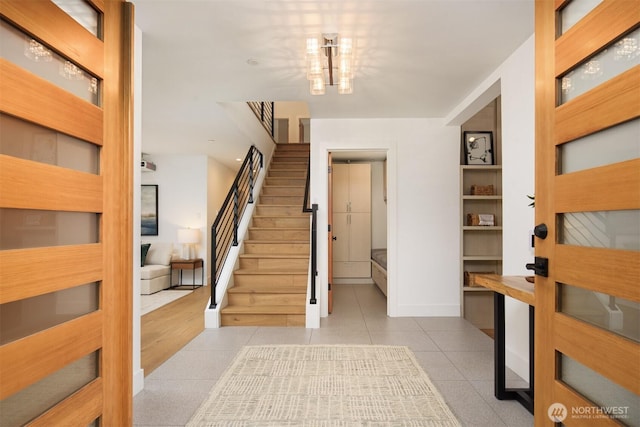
{"x":557,"y":412}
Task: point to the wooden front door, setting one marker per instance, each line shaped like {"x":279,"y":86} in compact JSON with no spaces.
{"x":66,"y":213}
{"x":588,"y":196}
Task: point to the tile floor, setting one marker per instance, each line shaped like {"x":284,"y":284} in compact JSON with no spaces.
{"x":457,"y":357}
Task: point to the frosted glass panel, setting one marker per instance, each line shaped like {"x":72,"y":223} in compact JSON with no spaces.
{"x":618,"y":315}
{"x":30,"y":54}
{"x":604,"y":229}
{"x":32,"y":401}
{"x":83,"y":14}
{"x":22,"y":318}
{"x":28,"y":141}
{"x":613,"y":145}
{"x":574,"y":11}
{"x":608,"y":397}
{"x":29,"y":228}
{"x":617,"y":58}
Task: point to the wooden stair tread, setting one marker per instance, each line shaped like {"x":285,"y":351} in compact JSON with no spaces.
{"x":281,"y":206}
{"x":268,"y":289}
{"x":264,"y":309}
{"x":246,"y":271}
{"x":300,"y":165}
{"x":278,"y":228}
{"x":300,"y":215}
{"x":276,"y":242}
{"x":275,"y":256}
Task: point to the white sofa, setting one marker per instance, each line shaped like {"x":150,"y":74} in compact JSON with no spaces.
{"x":155,"y":272}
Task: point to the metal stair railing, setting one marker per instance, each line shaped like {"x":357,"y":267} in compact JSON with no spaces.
{"x":224,"y":231}
{"x":264,"y":111}
{"x":314,"y":234}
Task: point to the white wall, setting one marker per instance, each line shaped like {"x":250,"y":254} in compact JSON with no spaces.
{"x":182,"y":201}
{"x":515,"y":81}
{"x":191,"y":189}
{"x":518,"y":147}
{"x":294,"y":111}
{"x":378,"y":207}
{"x":423,"y":211}
{"x":219,"y":181}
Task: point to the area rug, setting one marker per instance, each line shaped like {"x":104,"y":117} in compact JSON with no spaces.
{"x":155,"y":301}
{"x":324,"y":385}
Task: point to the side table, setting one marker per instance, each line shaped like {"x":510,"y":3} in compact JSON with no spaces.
{"x":188,"y":264}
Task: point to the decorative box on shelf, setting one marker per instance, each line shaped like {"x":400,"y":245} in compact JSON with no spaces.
{"x":482,"y":190}
{"x":481,"y":219}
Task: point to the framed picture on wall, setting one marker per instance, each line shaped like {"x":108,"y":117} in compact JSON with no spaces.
{"x":149,"y":210}
{"x":478,"y":147}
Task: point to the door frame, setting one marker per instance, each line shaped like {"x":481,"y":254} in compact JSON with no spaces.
{"x":391,"y":224}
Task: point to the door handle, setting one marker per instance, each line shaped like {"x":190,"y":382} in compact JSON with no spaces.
{"x":334,"y":238}
{"x":540,"y":266}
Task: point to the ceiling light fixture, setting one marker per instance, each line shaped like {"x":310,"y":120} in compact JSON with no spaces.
{"x":338,"y":54}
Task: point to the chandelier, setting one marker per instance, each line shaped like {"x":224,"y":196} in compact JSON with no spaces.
{"x":330,"y":63}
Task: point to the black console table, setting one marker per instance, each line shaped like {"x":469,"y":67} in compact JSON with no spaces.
{"x":518,"y":288}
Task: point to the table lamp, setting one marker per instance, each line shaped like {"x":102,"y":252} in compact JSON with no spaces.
{"x":188,"y":237}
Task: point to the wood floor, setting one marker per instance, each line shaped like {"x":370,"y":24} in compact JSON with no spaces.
{"x":166,"y":330}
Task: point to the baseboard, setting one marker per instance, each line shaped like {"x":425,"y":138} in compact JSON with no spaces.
{"x":138,"y":381}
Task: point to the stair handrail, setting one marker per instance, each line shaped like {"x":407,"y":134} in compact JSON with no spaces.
{"x":264,"y":111}
{"x":314,"y":252}
{"x":314,"y":233}
{"x":305,"y":202}
{"x":224,"y":230}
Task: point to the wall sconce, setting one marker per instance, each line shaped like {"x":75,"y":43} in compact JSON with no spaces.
{"x":188,"y":237}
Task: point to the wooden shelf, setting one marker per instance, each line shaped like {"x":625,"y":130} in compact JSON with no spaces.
{"x":482,"y":228}
{"x":482,"y":258}
{"x":474,"y":197}
{"x":480,"y":245}
{"x":482,"y":167}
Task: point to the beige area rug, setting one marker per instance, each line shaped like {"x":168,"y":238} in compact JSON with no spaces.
{"x":157,"y":300}
{"x":324,"y":385}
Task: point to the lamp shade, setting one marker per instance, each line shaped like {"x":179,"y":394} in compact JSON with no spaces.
{"x":188,"y":235}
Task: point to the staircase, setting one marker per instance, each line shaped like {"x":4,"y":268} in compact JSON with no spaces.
{"x":270,"y":285}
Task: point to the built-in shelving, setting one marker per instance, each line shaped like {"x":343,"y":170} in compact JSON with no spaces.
{"x":481,"y":245}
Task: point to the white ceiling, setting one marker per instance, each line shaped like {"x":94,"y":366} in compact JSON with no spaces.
{"x":414,"y":58}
